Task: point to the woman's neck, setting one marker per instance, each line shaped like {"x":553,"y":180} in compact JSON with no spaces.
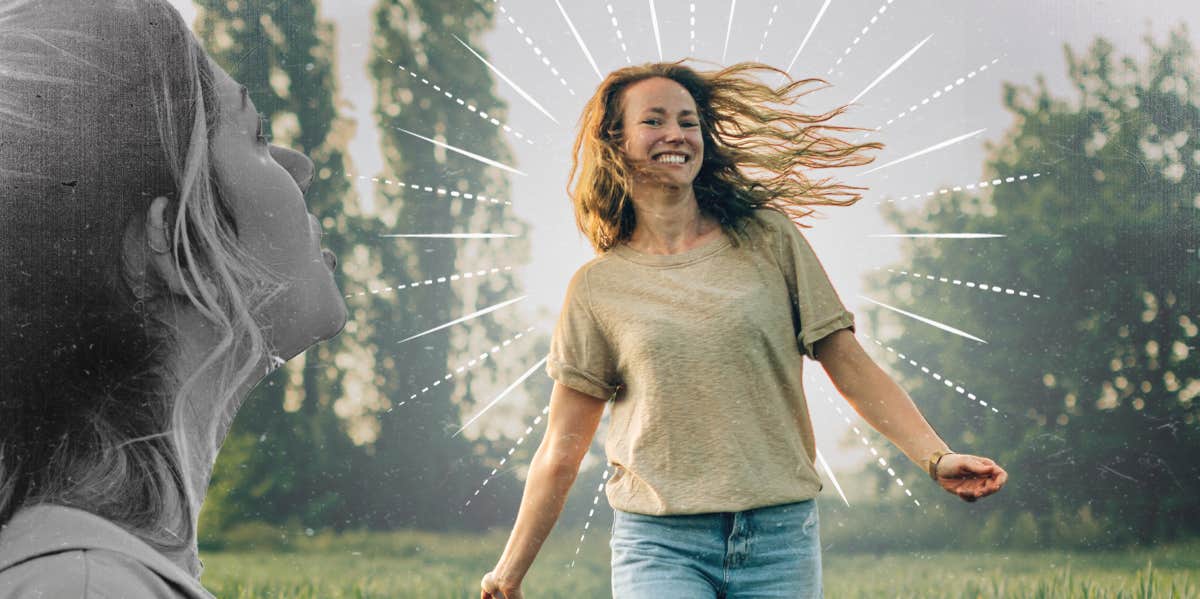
{"x":669,"y":220}
{"x":209,"y":415}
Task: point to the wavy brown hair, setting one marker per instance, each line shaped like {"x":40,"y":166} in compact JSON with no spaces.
{"x":756,"y":150}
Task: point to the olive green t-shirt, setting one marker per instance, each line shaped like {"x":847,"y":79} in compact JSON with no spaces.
{"x":702,"y":353}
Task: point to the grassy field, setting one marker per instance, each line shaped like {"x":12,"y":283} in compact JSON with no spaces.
{"x":431,"y":566}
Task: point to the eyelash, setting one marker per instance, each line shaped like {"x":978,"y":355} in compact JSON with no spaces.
{"x":656,"y":122}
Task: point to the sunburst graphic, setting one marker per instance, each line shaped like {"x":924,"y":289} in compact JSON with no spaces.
{"x":599,"y":37}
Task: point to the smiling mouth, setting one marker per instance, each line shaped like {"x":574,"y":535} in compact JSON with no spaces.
{"x":672,"y":159}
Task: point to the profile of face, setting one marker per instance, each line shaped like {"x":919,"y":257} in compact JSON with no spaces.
{"x":125,"y":277}
{"x":661,"y":135}
{"x":265,"y":185}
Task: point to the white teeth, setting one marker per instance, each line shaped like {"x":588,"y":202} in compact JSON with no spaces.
{"x":671,"y":159}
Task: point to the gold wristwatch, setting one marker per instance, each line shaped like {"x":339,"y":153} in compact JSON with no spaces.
{"x":935,"y":458}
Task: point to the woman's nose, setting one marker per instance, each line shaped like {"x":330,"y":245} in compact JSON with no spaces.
{"x":673,"y":133}
{"x":299,"y":166}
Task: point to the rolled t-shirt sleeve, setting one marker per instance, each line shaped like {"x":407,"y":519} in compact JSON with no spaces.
{"x":820,"y":310}
{"x":581,"y":355}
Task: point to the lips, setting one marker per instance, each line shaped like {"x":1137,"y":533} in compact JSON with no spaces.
{"x":329,"y":257}
{"x":671,"y":158}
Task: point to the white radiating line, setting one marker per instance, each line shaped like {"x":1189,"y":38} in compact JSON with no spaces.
{"x":504,"y":460}
{"x":972,"y":284}
{"x":591,"y":512}
{"x":536,"y":50}
{"x":579,"y":40}
{"x":612,"y":16}
{"x":472,"y":363}
{"x":879,"y":460}
{"x":882,"y":9}
{"x":465,"y":104}
{"x":527,"y":97}
{"x":464,"y":318}
{"x":832,"y":478}
{"x":692,"y":28}
{"x":968,"y":187}
{"x":766,"y":30}
{"x":811,"y":28}
{"x":935,"y":95}
{"x":895,"y":65}
{"x":444,"y":279}
{"x":502,"y":395}
{"x":728,"y":29}
{"x":482,"y":159}
{"x":938,"y":377}
{"x":933,"y":148}
{"x":442,"y":191}
{"x":928,"y":321}
{"x":657,"y":37}
{"x":939,"y":235}
{"x":450,"y":235}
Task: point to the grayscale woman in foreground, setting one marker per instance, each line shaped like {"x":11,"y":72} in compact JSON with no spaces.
{"x":156,"y":260}
{"x":693,"y":320}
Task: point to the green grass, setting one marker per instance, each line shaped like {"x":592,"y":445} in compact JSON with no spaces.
{"x":400,"y":565}
{"x":426,"y":565}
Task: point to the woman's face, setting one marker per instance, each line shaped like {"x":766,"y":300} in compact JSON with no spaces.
{"x":661,"y":131}
{"x":265,"y":185}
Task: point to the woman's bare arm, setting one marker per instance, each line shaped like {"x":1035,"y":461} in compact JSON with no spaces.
{"x":573,"y":420}
{"x":876,"y":397}
{"x":887,"y":408}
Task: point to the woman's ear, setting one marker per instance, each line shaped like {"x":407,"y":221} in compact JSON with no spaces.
{"x":159,"y":240}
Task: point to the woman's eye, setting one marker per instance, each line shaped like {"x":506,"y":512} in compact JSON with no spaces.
{"x":652,"y":121}
{"x":690,"y":124}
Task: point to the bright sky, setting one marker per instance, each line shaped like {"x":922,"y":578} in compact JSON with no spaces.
{"x":942,"y":89}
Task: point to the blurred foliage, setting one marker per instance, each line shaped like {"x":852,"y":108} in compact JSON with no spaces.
{"x":358,"y":431}
{"x":1095,"y":381}
{"x":423,"y":471}
{"x":287,"y":455}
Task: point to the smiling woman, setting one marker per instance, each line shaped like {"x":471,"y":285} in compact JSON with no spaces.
{"x":158,"y":260}
{"x":731,"y":131}
{"x":693,"y":321}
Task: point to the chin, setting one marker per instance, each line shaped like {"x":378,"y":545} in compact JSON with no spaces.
{"x":307,"y":317}
{"x":338,"y":322}
{"x":329,"y":316}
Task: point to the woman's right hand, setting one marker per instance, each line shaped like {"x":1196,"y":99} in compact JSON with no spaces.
{"x":572,"y":421}
{"x":494,"y":588}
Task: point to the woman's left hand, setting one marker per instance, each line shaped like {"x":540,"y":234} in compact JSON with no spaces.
{"x":970,"y":477}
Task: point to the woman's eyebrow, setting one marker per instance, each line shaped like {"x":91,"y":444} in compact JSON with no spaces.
{"x":663,"y":111}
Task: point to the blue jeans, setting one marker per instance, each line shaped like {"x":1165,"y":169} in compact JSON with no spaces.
{"x":772,"y":551}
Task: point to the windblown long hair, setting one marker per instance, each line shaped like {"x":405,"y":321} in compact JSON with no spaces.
{"x":757,"y":150}
{"x":105,"y":105}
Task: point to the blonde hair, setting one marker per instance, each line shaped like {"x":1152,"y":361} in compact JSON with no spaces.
{"x":756,"y":150}
{"x":112,"y":104}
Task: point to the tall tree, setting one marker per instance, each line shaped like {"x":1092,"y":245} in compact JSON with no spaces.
{"x":1095,"y":378}
{"x":424,"y":471}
